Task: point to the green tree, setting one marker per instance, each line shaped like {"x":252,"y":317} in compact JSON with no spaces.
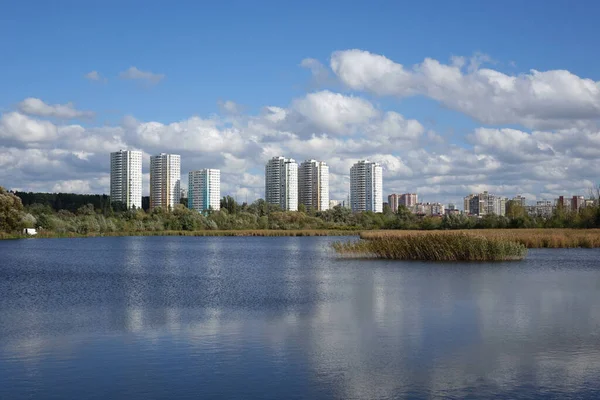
{"x":11,"y":211}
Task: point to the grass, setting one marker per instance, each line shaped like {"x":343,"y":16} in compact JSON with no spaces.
{"x":530,"y":238}
{"x":247,"y":232}
{"x":433,"y":247}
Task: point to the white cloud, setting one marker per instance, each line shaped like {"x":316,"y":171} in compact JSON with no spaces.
{"x":320,"y":74}
{"x":229,"y":107}
{"x":134,"y":73}
{"x":72,"y":186}
{"x":15,"y":126}
{"x":542,"y":99}
{"x":37,"y":107}
{"x":333,"y":112}
{"x":95,"y":76}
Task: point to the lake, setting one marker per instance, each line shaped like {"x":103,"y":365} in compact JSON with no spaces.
{"x":284,"y":318}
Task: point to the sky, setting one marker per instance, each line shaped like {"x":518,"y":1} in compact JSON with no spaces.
{"x":451,"y":98}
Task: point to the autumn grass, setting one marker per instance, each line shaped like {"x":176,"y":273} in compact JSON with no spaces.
{"x":433,"y":247}
{"x":247,"y":232}
{"x":530,"y":238}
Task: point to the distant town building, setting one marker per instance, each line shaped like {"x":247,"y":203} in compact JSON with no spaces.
{"x":394,"y":201}
{"x":366,"y":185}
{"x":204,"y":190}
{"x":577,"y":202}
{"x":542,"y":208}
{"x":408,"y":200}
{"x":184,"y":193}
{"x":519,"y":200}
{"x":165,"y":181}
{"x":126,"y":178}
{"x":281,"y":183}
{"x":429,"y":209}
{"x":484,"y":204}
{"x":313,"y":185}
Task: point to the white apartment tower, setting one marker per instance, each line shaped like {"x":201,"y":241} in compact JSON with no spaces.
{"x":126,"y":178}
{"x":366,"y":186}
{"x":313,"y":185}
{"x":165,"y":181}
{"x":281,"y":183}
{"x":204,"y":190}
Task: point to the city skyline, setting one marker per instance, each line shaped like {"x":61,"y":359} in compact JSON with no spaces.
{"x":446,"y":113}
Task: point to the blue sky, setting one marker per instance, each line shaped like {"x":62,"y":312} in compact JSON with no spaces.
{"x":250,"y":53}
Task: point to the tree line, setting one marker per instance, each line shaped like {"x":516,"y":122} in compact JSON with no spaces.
{"x":64,"y":213}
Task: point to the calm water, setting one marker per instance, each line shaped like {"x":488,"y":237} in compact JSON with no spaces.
{"x":282,"y":318}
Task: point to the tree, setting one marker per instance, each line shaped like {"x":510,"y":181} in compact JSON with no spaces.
{"x":11,"y":211}
{"x":302,"y":208}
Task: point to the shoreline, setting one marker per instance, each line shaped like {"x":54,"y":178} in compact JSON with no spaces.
{"x":203,"y":233}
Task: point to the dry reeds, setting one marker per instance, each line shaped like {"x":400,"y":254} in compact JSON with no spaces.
{"x":530,"y":238}
{"x":433,"y":247}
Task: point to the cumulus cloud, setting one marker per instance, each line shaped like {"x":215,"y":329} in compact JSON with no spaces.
{"x":537,"y":99}
{"x":37,"y":107}
{"x":133,"y":73}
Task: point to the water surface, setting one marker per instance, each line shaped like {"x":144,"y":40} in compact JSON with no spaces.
{"x":275,"y":318}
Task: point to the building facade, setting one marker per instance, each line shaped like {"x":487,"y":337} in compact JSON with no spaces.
{"x":313,"y":185}
{"x":165,"y":181}
{"x":394,"y":201}
{"x":281,"y":183}
{"x":409,"y":200}
{"x":484,"y":204}
{"x":366,"y":186}
{"x":204,"y":190}
{"x":126,"y":178}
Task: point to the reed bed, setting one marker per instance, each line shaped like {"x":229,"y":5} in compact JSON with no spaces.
{"x":530,"y":238}
{"x":433,"y":247}
{"x":248,"y":232}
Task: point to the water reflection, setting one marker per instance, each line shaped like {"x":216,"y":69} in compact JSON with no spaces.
{"x":254,"y":308}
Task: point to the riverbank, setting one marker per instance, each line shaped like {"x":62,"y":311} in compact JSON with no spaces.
{"x":530,"y":238}
{"x":247,"y":232}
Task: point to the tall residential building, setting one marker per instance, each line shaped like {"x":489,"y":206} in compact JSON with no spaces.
{"x":165,"y":180}
{"x":394,"y":201}
{"x":313,"y":185}
{"x":204,"y":190}
{"x":467,"y":205}
{"x":366,"y":186}
{"x":520,"y":200}
{"x":281,"y":183}
{"x":409,"y":200}
{"x":126,"y":178}
{"x":577,"y":202}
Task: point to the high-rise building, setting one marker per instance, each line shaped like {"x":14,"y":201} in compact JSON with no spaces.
{"x":313,"y":185}
{"x":204,"y":190}
{"x":165,"y":181}
{"x":394,"y":201}
{"x":577,"y":202}
{"x":366,"y":184}
{"x":126,"y":178}
{"x":467,"y":205}
{"x":520,"y":200}
{"x":281,"y":183}
{"x":409,"y":200}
